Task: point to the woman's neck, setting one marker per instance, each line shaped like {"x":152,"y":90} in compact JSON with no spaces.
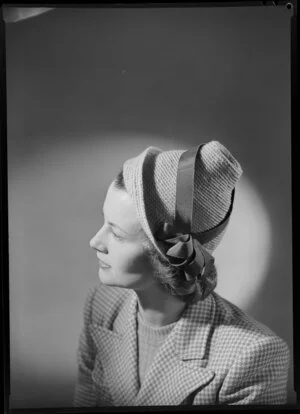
{"x":158,"y":307}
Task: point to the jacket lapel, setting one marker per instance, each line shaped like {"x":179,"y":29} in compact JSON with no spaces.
{"x":179,"y":367}
{"x":118,"y":354}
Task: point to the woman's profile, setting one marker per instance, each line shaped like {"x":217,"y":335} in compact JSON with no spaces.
{"x":154,"y":331}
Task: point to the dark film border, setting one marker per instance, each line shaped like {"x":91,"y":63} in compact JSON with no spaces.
{"x":4,"y":251}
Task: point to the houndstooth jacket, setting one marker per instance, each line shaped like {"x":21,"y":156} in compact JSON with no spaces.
{"x":215,"y":354}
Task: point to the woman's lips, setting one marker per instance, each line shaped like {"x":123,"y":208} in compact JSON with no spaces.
{"x":103,"y":264}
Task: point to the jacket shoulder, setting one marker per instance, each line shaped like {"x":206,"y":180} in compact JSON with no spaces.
{"x":237,"y":332}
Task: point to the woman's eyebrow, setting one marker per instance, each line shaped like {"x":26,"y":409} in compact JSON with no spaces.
{"x":115,"y":225}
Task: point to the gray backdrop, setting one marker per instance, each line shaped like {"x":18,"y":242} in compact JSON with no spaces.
{"x":89,"y":88}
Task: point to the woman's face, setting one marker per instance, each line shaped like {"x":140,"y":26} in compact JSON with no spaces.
{"x":118,"y":244}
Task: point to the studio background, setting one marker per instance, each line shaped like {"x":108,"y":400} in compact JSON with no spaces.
{"x":89,"y":88}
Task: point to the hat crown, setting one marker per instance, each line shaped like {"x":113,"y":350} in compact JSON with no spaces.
{"x":151,"y":178}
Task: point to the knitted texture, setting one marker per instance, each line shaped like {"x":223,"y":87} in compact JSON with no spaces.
{"x":150,"y":179}
{"x":150,"y":338}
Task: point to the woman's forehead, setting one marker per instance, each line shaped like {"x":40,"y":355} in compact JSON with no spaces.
{"x":120,"y":210}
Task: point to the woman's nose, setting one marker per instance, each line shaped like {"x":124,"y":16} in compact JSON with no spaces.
{"x":97,"y":242}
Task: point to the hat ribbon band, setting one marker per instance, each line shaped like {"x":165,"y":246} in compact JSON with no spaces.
{"x":187,"y":250}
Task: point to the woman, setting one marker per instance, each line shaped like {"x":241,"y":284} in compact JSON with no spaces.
{"x":155,"y":332}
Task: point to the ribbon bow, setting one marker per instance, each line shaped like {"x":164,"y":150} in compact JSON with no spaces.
{"x":186,"y":252}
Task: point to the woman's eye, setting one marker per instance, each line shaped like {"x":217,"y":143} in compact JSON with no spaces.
{"x":116,"y":236}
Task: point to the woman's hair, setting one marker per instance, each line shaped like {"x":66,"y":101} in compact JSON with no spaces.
{"x":171,"y":277}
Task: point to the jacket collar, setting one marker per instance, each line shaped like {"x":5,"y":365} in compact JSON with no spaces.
{"x":182,"y":357}
{"x":117,"y":350}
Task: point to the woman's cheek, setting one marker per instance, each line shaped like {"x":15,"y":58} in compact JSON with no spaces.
{"x":139,"y":263}
{"x":130,"y":259}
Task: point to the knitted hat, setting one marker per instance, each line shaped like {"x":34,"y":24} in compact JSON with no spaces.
{"x":151,"y":179}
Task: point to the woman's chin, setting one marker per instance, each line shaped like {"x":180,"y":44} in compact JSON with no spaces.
{"x":107,"y":278}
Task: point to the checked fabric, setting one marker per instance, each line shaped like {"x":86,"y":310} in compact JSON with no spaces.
{"x":215,"y":354}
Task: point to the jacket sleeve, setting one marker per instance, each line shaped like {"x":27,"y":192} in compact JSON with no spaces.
{"x":258,"y":375}
{"x":85,"y":395}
